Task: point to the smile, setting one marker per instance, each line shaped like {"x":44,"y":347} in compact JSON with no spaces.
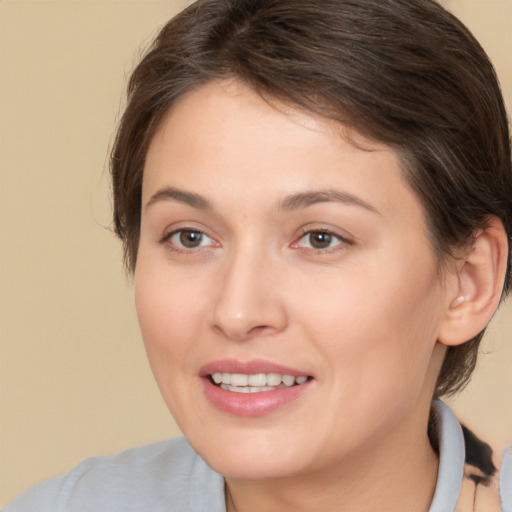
{"x":253,"y":388}
{"x":255,"y":383}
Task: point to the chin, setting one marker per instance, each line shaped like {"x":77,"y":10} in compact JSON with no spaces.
{"x":251,"y":455}
{"x":234,"y":467}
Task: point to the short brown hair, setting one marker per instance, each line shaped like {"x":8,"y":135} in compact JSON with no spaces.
{"x":404,"y":72}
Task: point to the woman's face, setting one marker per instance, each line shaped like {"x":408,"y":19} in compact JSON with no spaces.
{"x":294,"y":267}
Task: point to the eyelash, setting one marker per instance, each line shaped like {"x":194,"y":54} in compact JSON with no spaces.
{"x":341,"y":242}
{"x":167,"y":239}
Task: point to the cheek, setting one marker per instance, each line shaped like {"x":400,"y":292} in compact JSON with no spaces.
{"x":377,"y":327}
{"x":166,"y":301}
{"x":169,"y":314}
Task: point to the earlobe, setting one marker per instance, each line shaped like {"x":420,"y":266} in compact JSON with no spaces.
{"x":480,"y":275}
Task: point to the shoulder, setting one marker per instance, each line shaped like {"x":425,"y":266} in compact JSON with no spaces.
{"x":139,"y":479}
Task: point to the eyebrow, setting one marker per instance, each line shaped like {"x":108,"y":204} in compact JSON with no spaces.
{"x":297,"y":201}
{"x":302,"y":200}
{"x":179,"y":196}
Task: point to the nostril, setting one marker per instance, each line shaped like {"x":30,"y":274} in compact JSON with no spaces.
{"x":260,"y":330}
{"x":243,"y":332}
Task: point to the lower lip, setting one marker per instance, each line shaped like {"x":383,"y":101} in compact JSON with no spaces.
{"x":252,"y":404}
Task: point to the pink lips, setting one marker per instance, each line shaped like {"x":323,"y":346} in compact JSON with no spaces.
{"x":250,"y":404}
{"x":248,"y":367}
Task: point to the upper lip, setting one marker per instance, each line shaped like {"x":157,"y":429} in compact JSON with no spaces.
{"x":248,"y":367}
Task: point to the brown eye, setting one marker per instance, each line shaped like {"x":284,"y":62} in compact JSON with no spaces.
{"x":320,"y":239}
{"x":190,"y":239}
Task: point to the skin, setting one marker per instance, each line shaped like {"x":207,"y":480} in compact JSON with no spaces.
{"x":362,"y":316}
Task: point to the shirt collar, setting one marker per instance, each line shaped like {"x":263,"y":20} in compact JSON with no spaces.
{"x":451,"y":460}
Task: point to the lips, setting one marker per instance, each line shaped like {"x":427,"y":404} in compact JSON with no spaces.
{"x":253,"y":388}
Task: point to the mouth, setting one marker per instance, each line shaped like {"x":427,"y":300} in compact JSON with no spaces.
{"x":253,"y":388}
{"x":256,"y":382}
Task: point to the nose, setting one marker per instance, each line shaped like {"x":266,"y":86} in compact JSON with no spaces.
{"x":250,"y":300}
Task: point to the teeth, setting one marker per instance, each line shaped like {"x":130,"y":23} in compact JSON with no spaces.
{"x":288,"y":380}
{"x":273,"y":379}
{"x":239,"y":379}
{"x":260,"y":379}
{"x":246,"y":389}
{"x":242,"y":383}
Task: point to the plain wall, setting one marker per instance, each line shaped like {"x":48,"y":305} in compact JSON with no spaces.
{"x":74,"y":380}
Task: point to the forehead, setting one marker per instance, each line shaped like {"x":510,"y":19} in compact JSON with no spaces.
{"x":223,"y":138}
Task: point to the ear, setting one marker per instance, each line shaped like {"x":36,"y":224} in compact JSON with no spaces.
{"x":478,"y":280}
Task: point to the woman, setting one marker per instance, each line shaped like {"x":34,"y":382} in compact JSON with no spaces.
{"x":315,"y":199}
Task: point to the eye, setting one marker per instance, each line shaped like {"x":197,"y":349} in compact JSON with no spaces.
{"x":187,"y":239}
{"x":319,"y":240}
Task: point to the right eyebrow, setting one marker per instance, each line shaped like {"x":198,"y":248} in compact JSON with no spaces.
{"x":179,"y":196}
{"x":305,"y":199}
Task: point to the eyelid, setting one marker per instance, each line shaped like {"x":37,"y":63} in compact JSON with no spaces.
{"x":169,"y":234}
{"x":344,"y":240}
{"x":175,"y":227}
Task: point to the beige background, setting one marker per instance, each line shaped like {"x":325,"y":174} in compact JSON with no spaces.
{"x":73,"y":377}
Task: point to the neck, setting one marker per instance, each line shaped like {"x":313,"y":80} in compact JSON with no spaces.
{"x":398,"y":473}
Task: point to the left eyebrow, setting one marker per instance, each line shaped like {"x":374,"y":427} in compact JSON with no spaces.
{"x":304,"y":199}
{"x":179,"y":196}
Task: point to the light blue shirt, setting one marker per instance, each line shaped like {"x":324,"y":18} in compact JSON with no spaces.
{"x":169,"y":476}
